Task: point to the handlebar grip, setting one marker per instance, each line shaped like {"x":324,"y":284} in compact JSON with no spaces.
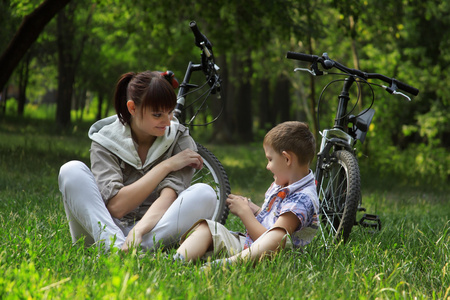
{"x":199,"y":37}
{"x":407,"y":88}
{"x":301,"y":56}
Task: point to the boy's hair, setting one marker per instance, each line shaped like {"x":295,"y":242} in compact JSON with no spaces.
{"x":295,"y":137}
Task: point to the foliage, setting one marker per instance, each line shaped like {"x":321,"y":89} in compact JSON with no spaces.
{"x":408,"y":258}
{"x":405,"y":39}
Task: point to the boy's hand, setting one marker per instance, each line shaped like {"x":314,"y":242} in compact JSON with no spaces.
{"x":239,"y":205}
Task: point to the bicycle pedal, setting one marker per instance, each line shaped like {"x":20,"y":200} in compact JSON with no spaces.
{"x":370,"y":221}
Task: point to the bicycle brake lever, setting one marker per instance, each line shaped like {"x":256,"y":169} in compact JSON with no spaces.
{"x":312,"y":72}
{"x":391,"y":90}
{"x":305,"y":70}
{"x":401,"y":94}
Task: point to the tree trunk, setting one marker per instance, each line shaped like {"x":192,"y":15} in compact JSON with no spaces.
{"x":3,"y":98}
{"x":80,"y":100}
{"x":312,"y":93}
{"x":223,"y":127}
{"x":66,"y":72}
{"x":69,"y":57}
{"x":32,"y":25}
{"x":108,"y":107}
{"x":23,"y":82}
{"x":355,"y":55}
{"x":264,"y":105}
{"x":243,"y":102}
{"x":283,"y":99}
{"x":99,"y":107}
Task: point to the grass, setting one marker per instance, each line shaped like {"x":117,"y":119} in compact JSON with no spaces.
{"x":407,"y":259}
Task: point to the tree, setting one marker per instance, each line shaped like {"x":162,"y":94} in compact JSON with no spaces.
{"x":24,"y":68}
{"x":70,"y":49}
{"x":309,"y":32}
{"x":250,"y":42}
{"x":32,"y":25}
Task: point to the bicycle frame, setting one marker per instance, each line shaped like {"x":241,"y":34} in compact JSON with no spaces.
{"x":337,"y":137}
{"x":341,"y":136}
{"x":340,"y":120}
{"x":185,"y":86}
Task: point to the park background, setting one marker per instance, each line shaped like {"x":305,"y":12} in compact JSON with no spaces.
{"x":64,"y":81}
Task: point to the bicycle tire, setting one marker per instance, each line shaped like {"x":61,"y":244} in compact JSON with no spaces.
{"x":213,"y":174}
{"x":340,"y":194}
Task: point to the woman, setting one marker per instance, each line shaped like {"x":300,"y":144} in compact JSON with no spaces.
{"x":142,"y":161}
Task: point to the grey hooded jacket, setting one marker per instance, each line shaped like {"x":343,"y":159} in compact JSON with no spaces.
{"x":115,"y":162}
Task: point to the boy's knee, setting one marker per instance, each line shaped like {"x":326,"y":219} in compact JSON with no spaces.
{"x":203,"y":225}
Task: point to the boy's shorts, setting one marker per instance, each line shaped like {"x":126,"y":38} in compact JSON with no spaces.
{"x":226,"y":241}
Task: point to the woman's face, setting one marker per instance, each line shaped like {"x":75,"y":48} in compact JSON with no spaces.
{"x":150,"y":122}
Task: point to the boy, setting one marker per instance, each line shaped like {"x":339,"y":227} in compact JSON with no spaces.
{"x":288,"y":216}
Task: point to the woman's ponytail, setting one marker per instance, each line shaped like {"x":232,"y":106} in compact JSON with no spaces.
{"x":121,"y":98}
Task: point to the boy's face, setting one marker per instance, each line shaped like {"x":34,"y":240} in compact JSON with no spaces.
{"x":277,"y":164}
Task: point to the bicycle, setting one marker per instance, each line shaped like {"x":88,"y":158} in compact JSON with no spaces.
{"x":212,"y":173}
{"x":337,"y":171}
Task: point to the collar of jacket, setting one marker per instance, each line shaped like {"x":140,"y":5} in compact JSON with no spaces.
{"x":116,"y":137}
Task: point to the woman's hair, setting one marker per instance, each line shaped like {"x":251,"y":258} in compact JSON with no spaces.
{"x":295,"y":137}
{"x":147,"y":89}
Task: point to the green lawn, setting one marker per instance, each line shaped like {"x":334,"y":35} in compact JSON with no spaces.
{"x":408,"y":258}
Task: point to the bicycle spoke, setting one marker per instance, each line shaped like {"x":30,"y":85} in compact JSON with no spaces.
{"x":335,"y":196}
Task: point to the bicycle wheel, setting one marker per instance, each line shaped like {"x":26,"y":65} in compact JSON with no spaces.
{"x":214,"y":175}
{"x":339,"y":192}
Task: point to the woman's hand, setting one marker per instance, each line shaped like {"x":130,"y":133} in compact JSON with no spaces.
{"x":238,"y":205}
{"x":185,"y":158}
{"x":133,"y":240}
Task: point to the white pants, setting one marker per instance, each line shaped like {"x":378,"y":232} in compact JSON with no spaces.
{"x":88,"y":216}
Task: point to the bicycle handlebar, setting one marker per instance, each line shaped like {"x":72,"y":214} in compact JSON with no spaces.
{"x":327,"y":63}
{"x":209,"y":68}
{"x":302,"y":56}
{"x":199,"y":37}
